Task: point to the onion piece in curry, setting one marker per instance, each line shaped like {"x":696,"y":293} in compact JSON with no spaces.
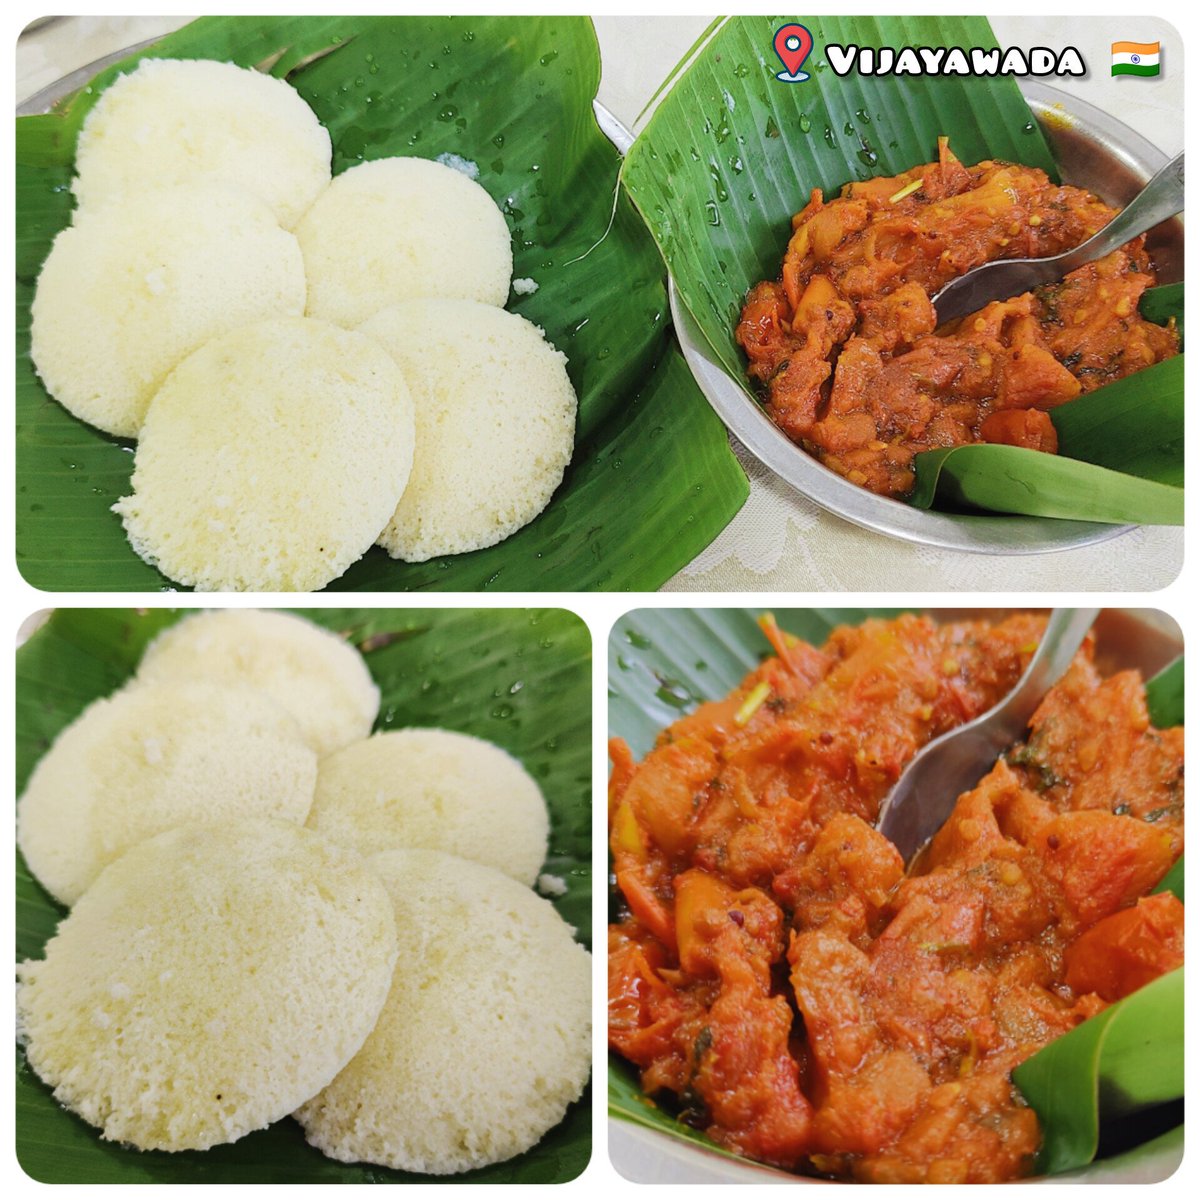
{"x":844,"y":343}
{"x":777,"y":975}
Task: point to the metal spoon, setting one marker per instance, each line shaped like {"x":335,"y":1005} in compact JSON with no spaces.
{"x":929,"y":786}
{"x":1158,"y":201}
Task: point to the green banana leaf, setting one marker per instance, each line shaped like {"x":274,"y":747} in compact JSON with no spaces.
{"x":1160,"y":304}
{"x":663,"y":662}
{"x":1172,"y":881}
{"x":1164,"y":696}
{"x":730,"y":155}
{"x":519,"y":677}
{"x":1016,"y":480}
{"x":515,"y":97}
{"x":1126,"y":431}
{"x":1125,"y":1059}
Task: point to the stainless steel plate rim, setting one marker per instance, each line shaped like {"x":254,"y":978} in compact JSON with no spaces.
{"x":645,"y":1155}
{"x":43,"y":101}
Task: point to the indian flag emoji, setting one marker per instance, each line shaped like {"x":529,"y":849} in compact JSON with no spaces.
{"x":1135,"y":58}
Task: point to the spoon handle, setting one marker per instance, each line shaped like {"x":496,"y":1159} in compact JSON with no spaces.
{"x":1158,"y":201}
{"x":1065,"y":631}
{"x":926,"y":792}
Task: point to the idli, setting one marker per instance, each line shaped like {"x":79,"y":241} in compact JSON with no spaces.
{"x":316,"y":675}
{"x":485,"y":1038}
{"x":402,"y":229}
{"x":208,"y":982}
{"x":270,"y":459}
{"x":131,"y":289}
{"x":150,"y":758}
{"x":195,"y":121}
{"x":495,"y":415}
{"x":434,"y":790}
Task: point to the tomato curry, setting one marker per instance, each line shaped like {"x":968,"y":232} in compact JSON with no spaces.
{"x":844,"y":343}
{"x":806,"y":1002}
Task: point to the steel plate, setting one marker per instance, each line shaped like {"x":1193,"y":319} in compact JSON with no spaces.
{"x":1094,"y":150}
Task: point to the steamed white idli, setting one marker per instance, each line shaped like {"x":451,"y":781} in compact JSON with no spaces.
{"x":312,"y":672}
{"x":495,"y":417}
{"x":270,"y":459}
{"x":151,"y":758}
{"x":433,"y":790}
{"x":208,"y":982}
{"x":196,"y":121}
{"x":486,"y":1035}
{"x":402,"y":229}
{"x":131,"y":289}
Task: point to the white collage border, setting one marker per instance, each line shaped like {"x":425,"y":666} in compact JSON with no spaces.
{"x":1180,"y":600}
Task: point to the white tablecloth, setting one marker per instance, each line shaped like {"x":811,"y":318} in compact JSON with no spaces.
{"x":779,"y":540}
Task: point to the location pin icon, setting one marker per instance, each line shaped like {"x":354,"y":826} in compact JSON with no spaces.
{"x":793,"y":43}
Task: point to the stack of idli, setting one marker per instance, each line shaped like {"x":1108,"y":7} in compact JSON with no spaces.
{"x":310,"y":365}
{"x":239,"y":948}
{"x":433,"y":789}
{"x":311,"y":672}
{"x":210,"y":981}
{"x":227,"y":717}
{"x":187,"y":120}
{"x":131,"y":289}
{"x":485,"y":1037}
{"x":152,"y":757}
{"x":270,"y":459}
{"x":400,"y":229}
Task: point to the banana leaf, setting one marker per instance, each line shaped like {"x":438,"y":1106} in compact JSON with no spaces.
{"x":519,"y":677}
{"x":514,"y":97}
{"x":1160,"y":304}
{"x":730,"y":154}
{"x":663,"y":662}
{"x":1172,"y":881}
{"x":1125,"y":1059}
{"x":1016,"y":480}
{"x":1164,"y":696}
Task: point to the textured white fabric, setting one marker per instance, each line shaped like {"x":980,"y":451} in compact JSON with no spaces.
{"x":781,"y":541}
